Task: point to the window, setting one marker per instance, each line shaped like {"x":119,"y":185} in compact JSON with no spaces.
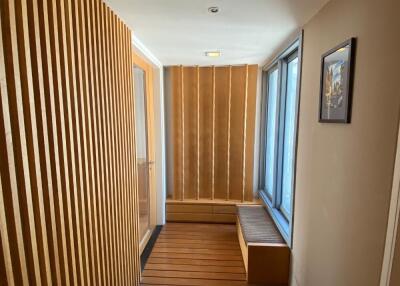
{"x":279,"y":138}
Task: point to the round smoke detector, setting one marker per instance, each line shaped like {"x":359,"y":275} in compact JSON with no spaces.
{"x":213,"y":10}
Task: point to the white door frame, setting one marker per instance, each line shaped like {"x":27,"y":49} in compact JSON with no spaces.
{"x":393,"y":220}
{"x":159,"y":126}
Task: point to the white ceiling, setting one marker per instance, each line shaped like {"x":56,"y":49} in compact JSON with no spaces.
{"x":245,"y":31}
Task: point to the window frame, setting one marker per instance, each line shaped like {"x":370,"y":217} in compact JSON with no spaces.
{"x":283,"y":219}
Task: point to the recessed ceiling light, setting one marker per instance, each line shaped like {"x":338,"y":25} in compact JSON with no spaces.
{"x":213,"y":9}
{"x":213,"y":54}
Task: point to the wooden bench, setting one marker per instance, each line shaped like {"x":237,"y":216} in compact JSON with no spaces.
{"x":266,"y":256}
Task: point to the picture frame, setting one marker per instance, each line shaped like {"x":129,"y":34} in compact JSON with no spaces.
{"x":336,"y":85}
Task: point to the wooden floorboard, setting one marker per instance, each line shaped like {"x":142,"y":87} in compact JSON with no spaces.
{"x":195,"y":254}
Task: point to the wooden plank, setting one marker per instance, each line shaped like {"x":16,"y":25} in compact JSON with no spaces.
{"x":197,"y":256}
{"x":204,"y":250}
{"x":236,"y":138}
{"x":186,"y":281}
{"x":243,"y":246}
{"x":190,"y":217}
{"x":224,"y":210}
{"x":188,"y":208}
{"x":250,"y":136}
{"x":196,"y":268}
{"x":173,"y":245}
{"x":221,"y":123}
{"x":186,"y":261}
{"x":205,"y":140}
{"x":194,"y":275}
{"x":209,"y":242}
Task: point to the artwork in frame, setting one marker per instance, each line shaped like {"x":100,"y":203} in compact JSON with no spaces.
{"x":337,"y":68}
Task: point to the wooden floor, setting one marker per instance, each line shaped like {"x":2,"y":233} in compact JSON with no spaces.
{"x":195,"y":254}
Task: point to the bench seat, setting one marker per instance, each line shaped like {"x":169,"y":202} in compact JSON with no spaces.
{"x":266,"y":256}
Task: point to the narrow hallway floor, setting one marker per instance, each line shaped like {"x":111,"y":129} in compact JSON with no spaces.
{"x":195,"y":254}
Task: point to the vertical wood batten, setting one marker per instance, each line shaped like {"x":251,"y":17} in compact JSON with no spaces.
{"x":35,"y":199}
{"x":109,"y":176}
{"x":68,"y":143}
{"x":70,"y":77}
{"x":245,"y":133}
{"x":85,"y":142}
{"x":68,"y":195}
{"x":223,"y":130}
{"x":79,"y":119}
{"x":183,"y":131}
{"x":229,"y":135}
{"x":4,"y":240}
{"x":99,"y":134}
{"x":49,"y":109}
{"x":213,"y":139}
{"x":198,"y":134}
{"x":117,"y":259}
{"x":11,"y":226}
{"x":103,"y":151}
{"x":20,"y":130}
{"x":43,"y":140}
{"x":92,"y":43}
{"x":61,"y":205}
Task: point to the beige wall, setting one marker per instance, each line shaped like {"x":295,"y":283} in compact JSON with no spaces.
{"x":344,"y":172}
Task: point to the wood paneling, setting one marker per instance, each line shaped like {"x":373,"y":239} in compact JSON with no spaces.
{"x":215,"y":211}
{"x":212,"y":115}
{"x":68,"y":195}
{"x":195,"y":254}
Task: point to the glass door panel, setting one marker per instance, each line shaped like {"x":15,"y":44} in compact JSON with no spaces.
{"x":141,"y":150}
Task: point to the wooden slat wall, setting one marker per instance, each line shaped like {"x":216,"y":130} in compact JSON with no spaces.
{"x":68,"y":195}
{"x":212,"y":115}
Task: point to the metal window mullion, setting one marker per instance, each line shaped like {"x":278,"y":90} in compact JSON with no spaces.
{"x":277,"y":192}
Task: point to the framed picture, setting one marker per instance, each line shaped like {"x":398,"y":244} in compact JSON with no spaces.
{"x":337,"y":67}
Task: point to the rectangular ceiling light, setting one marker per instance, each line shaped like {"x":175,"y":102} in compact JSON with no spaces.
{"x":213,"y":54}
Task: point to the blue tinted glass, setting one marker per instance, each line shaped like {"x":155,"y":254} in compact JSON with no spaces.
{"x":289,"y":140}
{"x":271,"y":130}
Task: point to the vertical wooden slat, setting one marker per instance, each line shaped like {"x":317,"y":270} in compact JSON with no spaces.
{"x":68,"y":193}
{"x":98,"y":134}
{"x":92,"y":123}
{"x":62,"y":207}
{"x":183,"y":131}
{"x":245,"y":132}
{"x":213,"y":140}
{"x":34,"y":199}
{"x":69,"y":136}
{"x":223,"y":108}
{"x":113,"y":111}
{"x":49,"y":109}
{"x":198,"y":134}
{"x":250,"y":137}
{"x":109,"y":170}
{"x":18,"y":91}
{"x":205,"y":118}
{"x":5,"y":245}
{"x":12,"y":218}
{"x":79,"y":141}
{"x":228,"y":154}
{"x":70,"y":76}
{"x":221,"y":131}
{"x":190,"y":131}
{"x":122,"y":238}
